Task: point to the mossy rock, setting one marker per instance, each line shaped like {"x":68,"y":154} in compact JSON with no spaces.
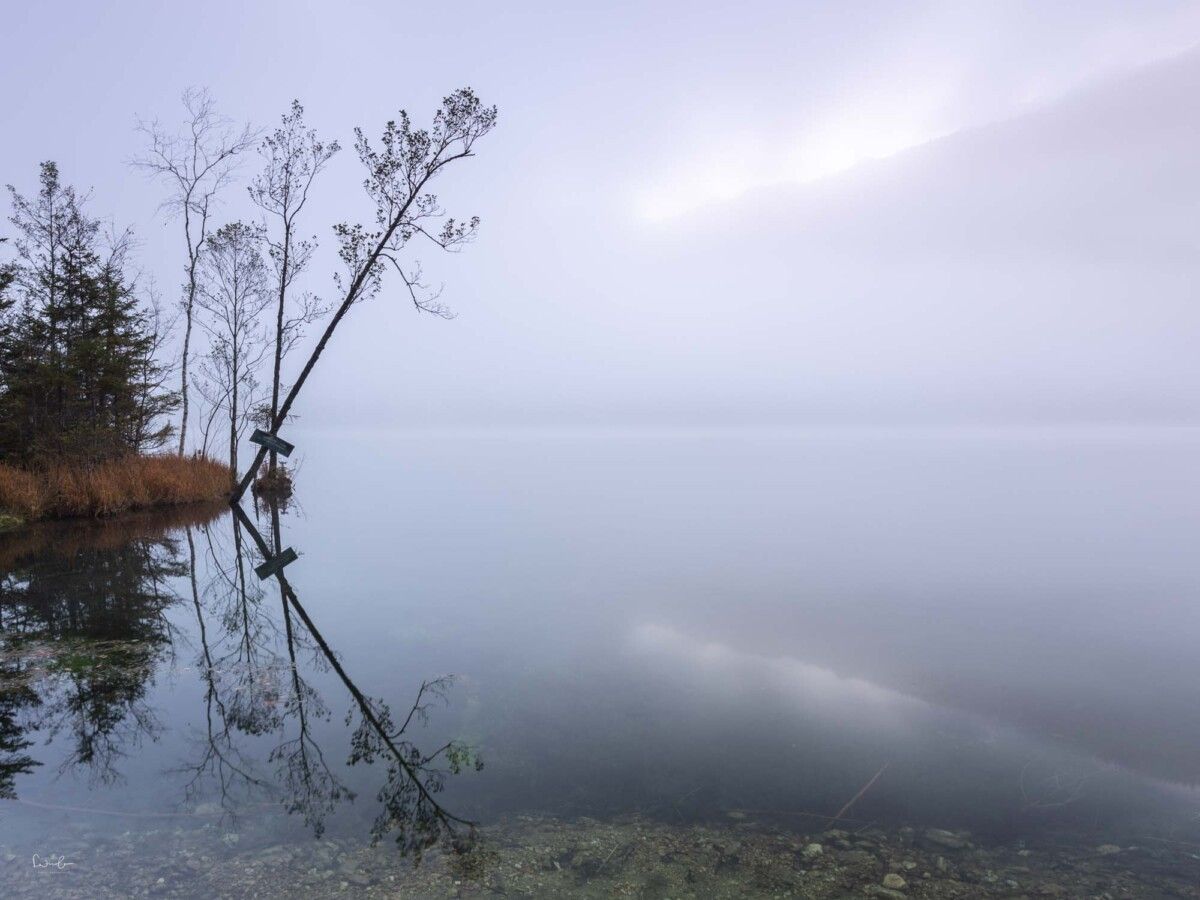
{"x":9,"y":522}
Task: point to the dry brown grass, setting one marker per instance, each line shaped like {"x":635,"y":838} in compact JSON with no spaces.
{"x":135,"y":482}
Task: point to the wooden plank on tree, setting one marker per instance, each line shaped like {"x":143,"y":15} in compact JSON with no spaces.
{"x":275,"y":564}
{"x":271,"y":442}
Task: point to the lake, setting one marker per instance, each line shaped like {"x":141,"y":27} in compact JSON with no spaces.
{"x":650,"y":662}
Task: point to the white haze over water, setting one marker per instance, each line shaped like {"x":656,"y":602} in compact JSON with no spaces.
{"x":823,"y":397}
{"x":701,"y":213}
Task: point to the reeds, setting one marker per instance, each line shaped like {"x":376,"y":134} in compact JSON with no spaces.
{"x":108,"y":488}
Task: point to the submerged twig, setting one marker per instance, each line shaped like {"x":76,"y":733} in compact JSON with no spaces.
{"x":862,"y":790}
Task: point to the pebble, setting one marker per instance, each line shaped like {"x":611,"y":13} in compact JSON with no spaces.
{"x":943,"y":838}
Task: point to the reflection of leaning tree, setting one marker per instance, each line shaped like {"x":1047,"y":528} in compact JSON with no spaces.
{"x":251,"y":688}
{"x":410,"y":807}
{"x":312,"y":788}
{"x":220,"y":760}
{"x":247,"y":663}
{"x":84,"y":628}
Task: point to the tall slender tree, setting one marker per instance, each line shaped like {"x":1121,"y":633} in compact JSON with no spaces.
{"x":398,"y":176}
{"x":196,"y":162}
{"x":233,"y":293}
{"x":294,"y":156}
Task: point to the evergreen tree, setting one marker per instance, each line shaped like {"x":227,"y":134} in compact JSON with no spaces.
{"x":78,"y":379}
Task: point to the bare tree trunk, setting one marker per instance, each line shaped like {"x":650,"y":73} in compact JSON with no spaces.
{"x":187,"y":342}
{"x":294,"y":156}
{"x":287,"y":240}
{"x":197,"y":162}
{"x":281,"y":414}
{"x":351,"y":295}
{"x":194,"y":251}
{"x":233,"y":293}
{"x":233,"y":417}
{"x":396,"y":182}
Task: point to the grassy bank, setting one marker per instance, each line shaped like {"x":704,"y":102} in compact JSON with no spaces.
{"x":105,"y":489}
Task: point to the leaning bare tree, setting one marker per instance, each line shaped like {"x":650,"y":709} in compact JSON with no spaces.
{"x":196,"y":162}
{"x":399,"y":174}
{"x":233,"y":292}
{"x":294,"y":156}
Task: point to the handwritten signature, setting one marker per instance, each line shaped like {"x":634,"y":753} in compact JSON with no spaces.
{"x":51,"y":861}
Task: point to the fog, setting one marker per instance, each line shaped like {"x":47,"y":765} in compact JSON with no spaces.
{"x":696,"y":213}
{"x":815,"y":444}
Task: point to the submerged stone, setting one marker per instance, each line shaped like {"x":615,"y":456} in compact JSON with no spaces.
{"x":949,"y":839}
{"x":812,"y":851}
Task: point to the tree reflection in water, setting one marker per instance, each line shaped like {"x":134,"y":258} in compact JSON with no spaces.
{"x":83,"y":626}
{"x":86,"y":616}
{"x":410,"y":809}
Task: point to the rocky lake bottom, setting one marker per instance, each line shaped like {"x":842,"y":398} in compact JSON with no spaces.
{"x":546,"y":858}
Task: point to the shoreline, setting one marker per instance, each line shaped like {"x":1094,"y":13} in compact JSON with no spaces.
{"x":104,"y":490}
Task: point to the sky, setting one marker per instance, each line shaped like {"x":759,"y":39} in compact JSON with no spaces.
{"x":755,"y":213}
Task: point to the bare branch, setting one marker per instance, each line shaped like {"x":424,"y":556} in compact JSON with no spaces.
{"x":197,"y":162}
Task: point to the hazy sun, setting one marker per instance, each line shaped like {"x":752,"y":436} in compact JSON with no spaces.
{"x":735,"y":171}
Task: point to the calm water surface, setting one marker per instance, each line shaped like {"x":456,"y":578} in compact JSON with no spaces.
{"x":680,"y":625}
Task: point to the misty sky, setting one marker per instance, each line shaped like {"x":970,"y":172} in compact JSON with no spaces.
{"x":702,"y":213}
